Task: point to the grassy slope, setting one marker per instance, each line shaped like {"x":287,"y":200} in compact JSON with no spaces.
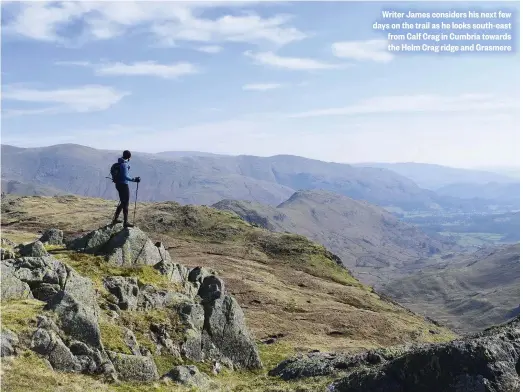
{"x":473,"y":292}
{"x":370,"y":241}
{"x":285,"y":284}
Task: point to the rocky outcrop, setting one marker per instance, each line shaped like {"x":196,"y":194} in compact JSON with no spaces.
{"x":34,"y":249}
{"x":6,"y":254}
{"x":485,"y":362}
{"x":189,"y":376}
{"x":11,"y":286}
{"x":52,"y":237}
{"x":9,"y":343}
{"x":122,"y":246}
{"x":133,"y":367}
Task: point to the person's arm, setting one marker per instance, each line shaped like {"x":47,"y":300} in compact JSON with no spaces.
{"x":125,"y":172}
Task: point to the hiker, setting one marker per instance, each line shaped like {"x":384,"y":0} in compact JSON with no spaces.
{"x":120,"y":175}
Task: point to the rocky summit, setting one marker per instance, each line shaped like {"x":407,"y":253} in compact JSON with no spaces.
{"x":484,"y":362}
{"x":191,"y":317}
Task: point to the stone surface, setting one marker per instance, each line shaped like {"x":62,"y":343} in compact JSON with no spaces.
{"x":6,"y":254}
{"x":9,"y":343}
{"x":53,"y":237}
{"x":190,"y":376}
{"x":122,"y":246}
{"x":34,"y":249}
{"x":485,"y":362}
{"x":50,"y":345}
{"x":133,"y":367}
{"x":11,"y":286}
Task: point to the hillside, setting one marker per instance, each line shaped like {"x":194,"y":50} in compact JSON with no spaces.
{"x":430,"y":176}
{"x":209,"y":179}
{"x":23,"y":189}
{"x":371,"y":242}
{"x":507,"y":193}
{"x":467,"y":293}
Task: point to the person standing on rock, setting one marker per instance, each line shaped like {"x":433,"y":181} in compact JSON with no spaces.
{"x":120,"y":176}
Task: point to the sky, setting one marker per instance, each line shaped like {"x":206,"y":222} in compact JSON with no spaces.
{"x":312,"y":79}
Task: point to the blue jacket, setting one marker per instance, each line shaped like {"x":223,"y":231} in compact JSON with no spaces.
{"x":124,"y":172}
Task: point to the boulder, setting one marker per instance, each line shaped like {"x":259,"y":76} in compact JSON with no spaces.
{"x":53,"y":237}
{"x":9,"y":343}
{"x":133,"y":367}
{"x":225,"y":331}
{"x":76,"y":318}
{"x":484,"y":362}
{"x":11,"y":286}
{"x":93,"y":241}
{"x":34,"y":249}
{"x":122,"y":246}
{"x":70,"y":295}
{"x":190,"y":376}
{"x":50,"y":345}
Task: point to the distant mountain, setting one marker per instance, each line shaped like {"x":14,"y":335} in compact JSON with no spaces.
{"x":469,"y":292}
{"x":183,"y":154}
{"x":371,"y":242}
{"x":23,"y":189}
{"x":209,"y":179}
{"x":430,"y":176}
{"x":496,"y":192}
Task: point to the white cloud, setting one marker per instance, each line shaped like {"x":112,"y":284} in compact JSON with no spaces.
{"x":141,"y":68}
{"x":292,"y":63}
{"x":373,"y":50}
{"x":210,"y":49}
{"x":167,"y":21}
{"x":82,"y":99}
{"x":147,"y":68}
{"x":415,"y":103}
{"x":261,"y":86}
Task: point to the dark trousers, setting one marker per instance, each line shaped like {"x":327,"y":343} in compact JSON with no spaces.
{"x":123,"y":193}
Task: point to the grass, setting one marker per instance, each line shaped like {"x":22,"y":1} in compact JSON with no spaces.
{"x":29,"y":372}
{"x":113,"y":337}
{"x":20,"y":315}
{"x":96,"y":268}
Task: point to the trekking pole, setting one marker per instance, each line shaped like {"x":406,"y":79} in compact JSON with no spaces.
{"x":135,"y":199}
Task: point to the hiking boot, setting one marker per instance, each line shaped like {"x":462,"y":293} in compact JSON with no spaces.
{"x":115,"y":221}
{"x":126,"y":224}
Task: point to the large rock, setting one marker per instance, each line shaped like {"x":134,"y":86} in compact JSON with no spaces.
{"x":50,"y":345}
{"x":11,"y":286}
{"x":70,"y":295}
{"x":189,"y":376}
{"x":133,"y":367}
{"x":485,"y":362}
{"x":93,"y":241}
{"x":122,"y":246}
{"x":53,"y":237}
{"x":225,"y":329}
{"x":34,"y":249}
{"x":9,"y":343}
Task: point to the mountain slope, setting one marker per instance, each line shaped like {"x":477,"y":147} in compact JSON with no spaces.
{"x":470,"y":292}
{"x":430,"y":176}
{"x":288,"y":287}
{"x":371,"y":242}
{"x":23,"y":189}
{"x":209,"y":179}
{"x":493,"y":191}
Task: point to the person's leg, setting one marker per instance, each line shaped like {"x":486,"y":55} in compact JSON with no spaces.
{"x":125,"y":204}
{"x":120,"y":205}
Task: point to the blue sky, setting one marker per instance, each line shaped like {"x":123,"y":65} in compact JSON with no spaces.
{"x":261,"y":78}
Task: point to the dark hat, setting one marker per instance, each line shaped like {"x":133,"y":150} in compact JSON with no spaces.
{"x":126,"y":154}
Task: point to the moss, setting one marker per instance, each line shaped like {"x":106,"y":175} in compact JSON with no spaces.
{"x":20,"y":315}
{"x":164,"y":363}
{"x":96,"y":268}
{"x":113,"y":337}
{"x":29,"y":372}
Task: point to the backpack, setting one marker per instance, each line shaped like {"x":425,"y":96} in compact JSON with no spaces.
{"x":115,"y":172}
